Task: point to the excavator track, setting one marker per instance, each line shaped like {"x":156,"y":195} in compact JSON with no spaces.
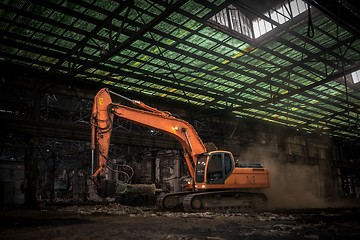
{"x":224,"y":200}
{"x":212,"y":201}
{"x":171,"y":201}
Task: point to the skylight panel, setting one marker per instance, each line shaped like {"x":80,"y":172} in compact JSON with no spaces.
{"x":355,"y":76}
{"x":351,"y":81}
{"x":233,"y":18}
{"x":238,"y":20}
{"x":280,"y":14}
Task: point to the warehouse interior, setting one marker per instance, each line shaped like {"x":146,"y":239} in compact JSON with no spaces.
{"x":275,"y":82}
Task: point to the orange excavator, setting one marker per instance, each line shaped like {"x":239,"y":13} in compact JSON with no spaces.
{"x":216,"y":181}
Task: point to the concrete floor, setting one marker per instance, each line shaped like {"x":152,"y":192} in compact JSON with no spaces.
{"x":116,"y":221}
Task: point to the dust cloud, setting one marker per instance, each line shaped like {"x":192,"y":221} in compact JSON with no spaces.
{"x":295,"y":186}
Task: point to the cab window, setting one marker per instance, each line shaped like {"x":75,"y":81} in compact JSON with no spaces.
{"x":200,"y":169}
{"x":227,"y":164}
{"x":214,"y":169}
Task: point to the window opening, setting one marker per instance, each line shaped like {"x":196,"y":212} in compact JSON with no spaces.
{"x":214,"y":169}
{"x":200,"y":169}
{"x":232,"y":18}
{"x":355,"y":76}
{"x":252,"y":26}
{"x":227,"y":163}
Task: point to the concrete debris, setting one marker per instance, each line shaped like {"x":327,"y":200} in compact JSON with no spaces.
{"x":115,"y":221}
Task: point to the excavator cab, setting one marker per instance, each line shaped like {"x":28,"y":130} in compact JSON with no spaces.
{"x":214,"y":167}
{"x":217,"y":170}
{"x":211,"y":168}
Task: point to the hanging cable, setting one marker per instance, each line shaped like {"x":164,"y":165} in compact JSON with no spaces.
{"x":310,"y":29}
{"x":342,"y":55}
{"x":346,"y":95}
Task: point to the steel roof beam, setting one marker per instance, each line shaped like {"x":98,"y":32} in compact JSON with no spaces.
{"x":87,"y":37}
{"x":170,"y":9}
{"x":299,"y":91}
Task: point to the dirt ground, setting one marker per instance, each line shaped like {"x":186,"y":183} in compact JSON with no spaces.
{"x":116,"y":221}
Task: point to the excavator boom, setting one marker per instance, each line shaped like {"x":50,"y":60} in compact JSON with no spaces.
{"x":102,"y":120}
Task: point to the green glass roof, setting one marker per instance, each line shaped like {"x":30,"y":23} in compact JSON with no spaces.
{"x":172,"y":51}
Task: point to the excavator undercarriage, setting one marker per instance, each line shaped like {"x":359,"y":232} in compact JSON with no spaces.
{"x":227,"y":200}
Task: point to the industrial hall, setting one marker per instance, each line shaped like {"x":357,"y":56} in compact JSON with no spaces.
{"x":179,"y":119}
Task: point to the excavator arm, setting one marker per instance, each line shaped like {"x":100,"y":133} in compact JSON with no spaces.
{"x":102,"y":121}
